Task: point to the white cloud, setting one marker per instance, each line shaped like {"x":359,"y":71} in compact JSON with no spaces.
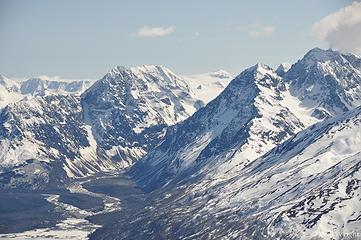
{"x":342,"y":29}
{"x":261,"y":31}
{"x":146,"y":31}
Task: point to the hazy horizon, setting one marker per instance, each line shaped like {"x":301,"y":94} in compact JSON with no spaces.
{"x":85,"y":39}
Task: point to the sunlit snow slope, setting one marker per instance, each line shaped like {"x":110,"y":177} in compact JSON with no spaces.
{"x":308,"y":186}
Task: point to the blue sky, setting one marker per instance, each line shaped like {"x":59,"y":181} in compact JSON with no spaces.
{"x":84,"y":39}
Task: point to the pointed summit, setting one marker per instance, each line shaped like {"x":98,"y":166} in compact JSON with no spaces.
{"x":282,"y":69}
{"x":260,"y":69}
{"x":258,"y":74}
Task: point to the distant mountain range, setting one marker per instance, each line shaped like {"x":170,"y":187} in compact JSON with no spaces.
{"x":268,"y":154}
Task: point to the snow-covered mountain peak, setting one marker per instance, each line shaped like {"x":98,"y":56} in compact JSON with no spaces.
{"x":319,"y":56}
{"x":149,"y":69}
{"x":151,"y":82}
{"x":260,"y":67}
{"x":260,"y":70}
{"x":118,"y":71}
{"x":150,"y":78}
{"x":326,"y":81}
{"x":260,"y":74}
{"x":142,"y":71}
{"x":130,"y":108}
{"x":320,"y":62}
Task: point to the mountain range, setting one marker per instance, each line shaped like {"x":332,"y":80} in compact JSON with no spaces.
{"x":79,"y":131}
{"x":269,"y":153}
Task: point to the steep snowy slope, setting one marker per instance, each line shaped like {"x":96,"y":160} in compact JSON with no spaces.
{"x":208,"y":86}
{"x":309,"y":186}
{"x":257,"y":111}
{"x":311,"y":183}
{"x":130,"y":108}
{"x":45,"y":140}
